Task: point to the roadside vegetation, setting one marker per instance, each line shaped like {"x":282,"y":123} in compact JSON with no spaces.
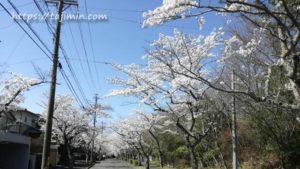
{"x":226,"y":99}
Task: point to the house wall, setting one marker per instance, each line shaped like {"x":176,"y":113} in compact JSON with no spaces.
{"x":14,"y":138}
{"x":14,"y":156}
{"x":14,"y":151}
{"x":32,"y":162}
{"x":15,"y":147}
{"x":25,"y":117}
{"x":4,"y":122}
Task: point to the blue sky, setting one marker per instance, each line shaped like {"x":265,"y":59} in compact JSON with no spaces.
{"x":120,"y":40}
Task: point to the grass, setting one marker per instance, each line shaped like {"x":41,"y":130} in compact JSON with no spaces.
{"x":137,"y":167}
{"x":155,"y":164}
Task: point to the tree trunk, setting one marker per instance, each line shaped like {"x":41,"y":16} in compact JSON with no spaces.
{"x":202,"y":163}
{"x":70,"y":157}
{"x":174,"y":164}
{"x":160,"y":157}
{"x":193,"y":157}
{"x":160,"y":154}
{"x":86,"y":157}
{"x":140,"y":159}
{"x":221,"y":156}
{"x":233,"y":126}
{"x":147,"y":166}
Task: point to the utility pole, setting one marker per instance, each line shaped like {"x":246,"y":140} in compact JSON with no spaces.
{"x":51,"y":101}
{"x":233,"y":127}
{"x":48,"y":131}
{"x":95,"y":117}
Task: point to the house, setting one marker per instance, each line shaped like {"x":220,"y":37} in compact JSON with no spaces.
{"x":17,"y":127}
{"x":36,"y":150}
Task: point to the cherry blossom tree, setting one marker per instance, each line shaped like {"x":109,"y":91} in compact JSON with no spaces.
{"x":96,"y":112}
{"x":134,"y":131}
{"x":277,"y":18}
{"x":179,"y":83}
{"x":11,"y":92}
{"x":12,"y":89}
{"x":153,"y":120}
{"x":175,"y":83}
{"x":84,"y":140}
{"x":102,"y":110}
{"x":69,"y":123}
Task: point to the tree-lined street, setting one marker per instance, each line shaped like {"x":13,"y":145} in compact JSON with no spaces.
{"x":150,"y":84}
{"x":112,"y":164}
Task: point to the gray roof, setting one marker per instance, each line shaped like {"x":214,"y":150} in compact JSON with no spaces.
{"x":19,"y":109}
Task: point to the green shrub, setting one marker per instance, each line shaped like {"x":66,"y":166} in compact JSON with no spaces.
{"x":155,"y":163}
{"x":136,"y":163}
{"x":130,"y":161}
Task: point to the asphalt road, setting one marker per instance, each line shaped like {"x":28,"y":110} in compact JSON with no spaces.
{"x":111,"y":164}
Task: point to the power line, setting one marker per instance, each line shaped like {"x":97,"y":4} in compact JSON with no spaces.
{"x":65,"y":77}
{"x":73,"y":73}
{"x":15,"y":47}
{"x":70,"y":86}
{"x":36,"y":43}
{"x":25,"y":61}
{"x":72,"y":59}
{"x":29,"y":26}
{"x":140,"y":23}
{"x":19,"y":6}
{"x":67,"y":80}
{"x":91,"y":44}
{"x":85,"y":53}
{"x":50,"y":28}
{"x":118,"y":10}
{"x":77,"y":52}
{"x":98,"y":62}
{"x":127,"y":20}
